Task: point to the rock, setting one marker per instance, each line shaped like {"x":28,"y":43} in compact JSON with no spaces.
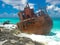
{"x":22,"y":41}
{"x":14,"y":40}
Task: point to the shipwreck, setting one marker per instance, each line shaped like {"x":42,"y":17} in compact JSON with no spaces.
{"x":34,"y":23}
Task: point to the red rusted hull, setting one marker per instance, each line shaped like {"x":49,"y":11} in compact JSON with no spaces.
{"x":40,"y":25}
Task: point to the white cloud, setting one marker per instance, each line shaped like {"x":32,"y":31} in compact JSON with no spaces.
{"x":31,"y":5}
{"x":53,"y":7}
{"x":18,"y":4}
{"x":5,"y":14}
{"x":53,"y":1}
{"x":50,"y":7}
{"x":57,"y":9}
{"x":54,"y":11}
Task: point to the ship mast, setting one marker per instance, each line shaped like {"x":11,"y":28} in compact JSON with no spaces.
{"x":46,"y":10}
{"x":27,"y":5}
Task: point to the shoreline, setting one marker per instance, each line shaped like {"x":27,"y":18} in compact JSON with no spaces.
{"x":45,"y":39}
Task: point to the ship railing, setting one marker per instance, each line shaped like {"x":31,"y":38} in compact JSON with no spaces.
{"x":27,"y":19}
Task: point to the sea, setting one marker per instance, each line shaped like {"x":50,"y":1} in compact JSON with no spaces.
{"x":55,"y":31}
{"x":11,"y":20}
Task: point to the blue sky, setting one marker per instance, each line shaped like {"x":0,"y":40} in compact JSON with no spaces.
{"x":10,"y":8}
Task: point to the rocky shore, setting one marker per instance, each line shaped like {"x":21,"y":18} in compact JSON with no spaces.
{"x":10,"y":35}
{"x":14,"y":40}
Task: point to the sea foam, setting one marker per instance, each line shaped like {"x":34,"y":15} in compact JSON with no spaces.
{"x":46,"y":39}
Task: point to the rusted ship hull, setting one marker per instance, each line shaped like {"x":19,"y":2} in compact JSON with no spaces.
{"x":40,"y":25}
{"x":34,"y":23}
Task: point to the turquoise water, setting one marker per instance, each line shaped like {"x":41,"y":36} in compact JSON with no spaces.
{"x":56,"y":25}
{"x":12,"y":20}
{"x":56,"y":22}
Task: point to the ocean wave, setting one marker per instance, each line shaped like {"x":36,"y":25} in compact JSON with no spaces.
{"x":46,"y":39}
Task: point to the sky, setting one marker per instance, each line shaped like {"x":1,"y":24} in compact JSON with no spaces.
{"x":10,"y":8}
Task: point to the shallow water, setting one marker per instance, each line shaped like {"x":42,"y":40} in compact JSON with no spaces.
{"x":56,"y":25}
{"x":12,"y":20}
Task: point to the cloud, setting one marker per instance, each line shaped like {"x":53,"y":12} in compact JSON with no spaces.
{"x":11,"y":5}
{"x":5,"y":14}
{"x":50,"y":7}
{"x":53,"y":8}
{"x":31,"y":5}
{"x":15,"y":1}
{"x":54,"y":11}
{"x":55,"y":2}
{"x":57,"y":9}
{"x":18,"y":4}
